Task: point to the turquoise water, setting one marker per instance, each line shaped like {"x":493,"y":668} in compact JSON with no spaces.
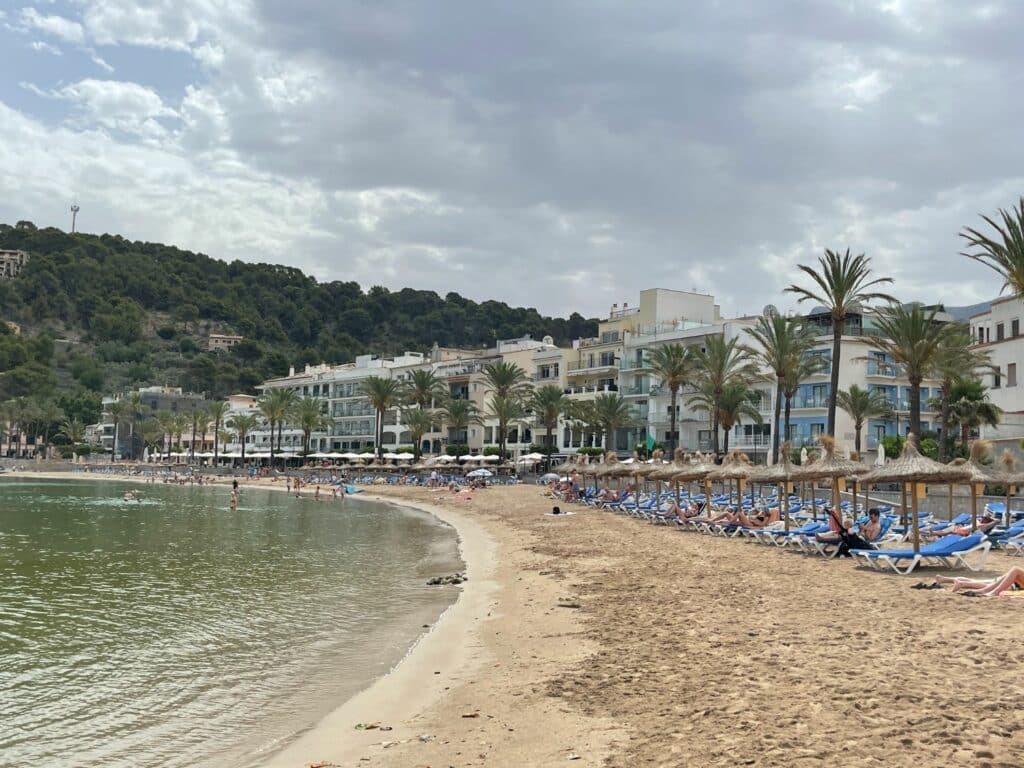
{"x":175,"y":632}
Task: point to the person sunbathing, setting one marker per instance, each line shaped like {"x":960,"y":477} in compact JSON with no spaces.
{"x":1001,"y":586}
{"x":835,"y":534}
{"x":872,"y":529}
{"x":727,"y":517}
{"x":761,"y":519}
{"x":986,"y":523}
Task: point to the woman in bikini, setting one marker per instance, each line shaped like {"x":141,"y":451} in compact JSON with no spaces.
{"x":1011,"y":581}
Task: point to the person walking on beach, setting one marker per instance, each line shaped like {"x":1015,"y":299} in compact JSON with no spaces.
{"x":316,"y":494}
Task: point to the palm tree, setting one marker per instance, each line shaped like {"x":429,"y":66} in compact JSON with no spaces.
{"x":611,"y":412}
{"x":119,"y":412}
{"x":799,"y":369}
{"x":1005,"y":252}
{"x":505,"y":379}
{"x":913,"y":339}
{"x":674,"y":364}
{"x":843,"y":284}
{"x":50,"y":415}
{"x":274,"y":406}
{"x":861,"y":405}
{"x":721,"y":364}
{"x":204,"y":426}
{"x":459,"y":413}
{"x":134,"y":414}
{"x":308,"y":415}
{"x":167,"y":422}
{"x":737,"y":401}
{"x":383,"y":395}
{"x":956,"y":359}
{"x":971,"y":408}
{"x":780,"y":341}
{"x":422,"y":388}
{"x":420,"y":422}
{"x":506,"y":409}
{"x":548,"y":403}
{"x":181,"y":422}
{"x":217,"y":411}
{"x":151,"y":433}
{"x":243,"y":424}
{"x":22,"y":412}
{"x":72,"y":430}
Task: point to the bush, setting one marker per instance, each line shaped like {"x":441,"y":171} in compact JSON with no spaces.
{"x":456,"y":449}
{"x":167,"y":332}
{"x":492,"y":450}
{"x":591,"y":451}
{"x":930,"y":448}
{"x":83,"y":450}
{"x":893,"y":445}
{"x":66,"y":453}
{"x":187,"y":346}
{"x":405,"y":449}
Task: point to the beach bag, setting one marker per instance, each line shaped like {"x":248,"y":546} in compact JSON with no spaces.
{"x":848,"y":541}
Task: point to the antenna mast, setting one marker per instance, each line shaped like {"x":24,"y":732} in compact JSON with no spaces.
{"x":74,"y":216}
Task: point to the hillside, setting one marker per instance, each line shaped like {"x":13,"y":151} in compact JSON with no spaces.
{"x":135,"y":313}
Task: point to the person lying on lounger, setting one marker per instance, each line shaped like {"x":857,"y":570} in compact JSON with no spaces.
{"x":759,"y":519}
{"x":683,"y":513}
{"x":1001,"y":586}
{"x":986,"y":523}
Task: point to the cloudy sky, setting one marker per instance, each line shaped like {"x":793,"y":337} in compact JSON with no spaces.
{"x":559,"y":155}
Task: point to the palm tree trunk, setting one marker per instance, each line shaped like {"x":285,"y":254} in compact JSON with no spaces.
{"x":113,"y":448}
{"x":856,"y":438}
{"x":216,"y":442}
{"x":837,"y":342}
{"x":725,"y":445}
{"x":192,"y":443}
{"x":915,"y":408}
{"x":549,"y":441}
{"x":947,"y":440}
{"x":965,"y":434}
{"x":786,"y":416}
{"x":775,"y":424}
{"x":273,"y":423}
{"x":672,"y":441}
{"x":380,"y":435}
{"x":714,"y":422}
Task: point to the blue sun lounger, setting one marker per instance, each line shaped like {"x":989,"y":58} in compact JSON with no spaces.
{"x":949,"y":551}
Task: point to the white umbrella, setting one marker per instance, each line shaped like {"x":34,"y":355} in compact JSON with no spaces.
{"x":446,"y":457}
{"x":366,"y":455}
{"x":231,"y":455}
{"x":335,"y":455}
{"x":880,"y":458}
{"x":535,"y":456}
{"x":469,"y":457}
{"x":492,"y":458}
{"x":480,"y":473}
{"x":348,"y":456}
{"x":403,"y":457}
{"x":528,"y":459}
{"x":391,"y":456}
{"x":318,"y":455}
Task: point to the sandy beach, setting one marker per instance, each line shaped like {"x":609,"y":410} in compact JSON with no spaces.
{"x":602,"y":640}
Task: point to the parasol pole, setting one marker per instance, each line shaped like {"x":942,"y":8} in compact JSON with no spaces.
{"x":903,"y":505}
{"x":950,"y":502}
{"x":917,"y":532}
{"x":1006,"y":512}
{"x":814,"y":503}
{"x":974,"y":507}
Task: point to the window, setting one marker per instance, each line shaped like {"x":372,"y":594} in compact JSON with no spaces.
{"x":996,"y":381}
{"x":1014,"y":328}
{"x":488,"y":434}
{"x":817,"y":429}
{"x":1011,"y":375}
{"x":999,"y":332}
{"x":981,"y":335}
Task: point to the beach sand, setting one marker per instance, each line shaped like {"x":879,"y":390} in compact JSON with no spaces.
{"x":597,"y":639}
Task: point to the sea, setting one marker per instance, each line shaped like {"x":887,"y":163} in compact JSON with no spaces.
{"x":171,"y":630}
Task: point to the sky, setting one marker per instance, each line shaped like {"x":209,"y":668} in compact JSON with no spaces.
{"x":557,"y":155}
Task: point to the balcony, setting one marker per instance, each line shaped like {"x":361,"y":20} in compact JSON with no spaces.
{"x":590,"y":390}
{"x":578,"y":368}
{"x":884,"y":369}
{"x":612,"y":339}
{"x":743,"y":442}
{"x":810,"y":402}
{"x":635,"y":389}
{"x":632,"y":364}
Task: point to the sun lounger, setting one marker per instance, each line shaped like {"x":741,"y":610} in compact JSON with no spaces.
{"x":949,"y":551}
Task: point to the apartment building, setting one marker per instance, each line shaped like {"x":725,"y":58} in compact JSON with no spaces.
{"x":11,"y":263}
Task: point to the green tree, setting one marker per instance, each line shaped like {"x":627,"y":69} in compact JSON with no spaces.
{"x":611,"y":412}
{"x":842,"y":284}
{"x":798,"y":371}
{"x":971,"y":408}
{"x":420,"y":422}
{"x":119,"y":412}
{"x":674,"y":364}
{"x":721,"y":364}
{"x":383,"y":394}
{"x":548,"y":403}
{"x":861,"y":405}
{"x":274,"y":406}
{"x":308,"y":415}
{"x":216,"y":412}
{"x":167,"y":422}
{"x":1004,"y":252}
{"x":781,"y":342}
{"x":457,"y":414}
{"x":506,"y":410}
{"x":957,"y":358}
{"x":243,"y":425}
{"x":912,"y":338}
{"x":72,"y":430}
{"x":423,"y":388}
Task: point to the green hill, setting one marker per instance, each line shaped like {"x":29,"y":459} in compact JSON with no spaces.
{"x":100,"y":313}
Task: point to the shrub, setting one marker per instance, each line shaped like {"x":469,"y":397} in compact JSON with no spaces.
{"x":83,"y":450}
{"x":456,"y":449}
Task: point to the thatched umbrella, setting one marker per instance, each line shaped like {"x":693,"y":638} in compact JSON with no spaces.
{"x":697,"y":469}
{"x":1008,"y":468}
{"x":781,"y":474}
{"x":737,"y":467}
{"x":911,"y":467}
{"x":831,"y":467}
{"x":663,"y":473}
{"x":979,"y":474}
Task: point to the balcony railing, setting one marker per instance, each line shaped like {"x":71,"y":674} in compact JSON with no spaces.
{"x":593,"y":389}
{"x":632,"y":364}
{"x":738,"y":441}
{"x":636,"y":389}
{"x":810,"y":402}
{"x":882,"y":368}
{"x":596,"y":366}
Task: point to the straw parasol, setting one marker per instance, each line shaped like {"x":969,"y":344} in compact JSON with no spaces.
{"x":738,"y":467}
{"x":781,"y":474}
{"x":979,"y":474}
{"x":832,"y":467}
{"x":911,"y":467}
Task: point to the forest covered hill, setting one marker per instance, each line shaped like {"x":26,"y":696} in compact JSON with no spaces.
{"x":100,"y":313}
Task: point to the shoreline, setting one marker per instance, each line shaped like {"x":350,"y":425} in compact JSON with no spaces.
{"x":438,"y":655}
